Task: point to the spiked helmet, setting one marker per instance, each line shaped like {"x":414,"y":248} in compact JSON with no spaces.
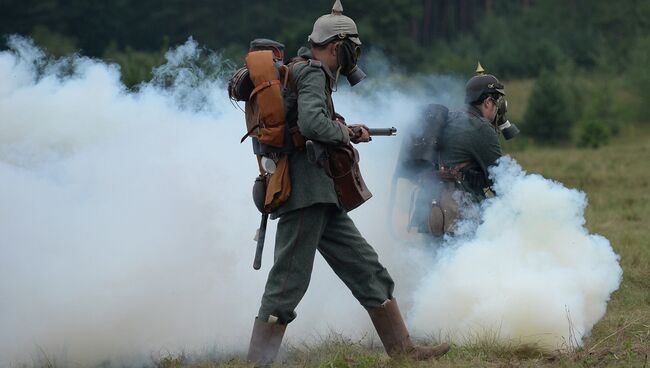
{"x":481,"y":84}
{"x":335,"y":25}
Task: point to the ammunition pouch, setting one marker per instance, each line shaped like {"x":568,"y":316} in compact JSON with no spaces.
{"x":474,"y":181}
{"x":343,"y":168}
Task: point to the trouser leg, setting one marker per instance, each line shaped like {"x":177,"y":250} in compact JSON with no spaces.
{"x":296,"y":241}
{"x":355,"y":262}
{"x":297,"y":238}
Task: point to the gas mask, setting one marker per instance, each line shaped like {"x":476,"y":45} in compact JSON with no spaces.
{"x":348,"y":54}
{"x":502,"y":123}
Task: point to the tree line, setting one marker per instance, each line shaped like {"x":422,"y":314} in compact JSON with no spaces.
{"x":590,"y":57}
{"x":518,"y":38}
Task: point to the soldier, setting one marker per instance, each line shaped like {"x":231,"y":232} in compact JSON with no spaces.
{"x":312,"y":218}
{"x":470,"y":139}
{"x":452,"y":151}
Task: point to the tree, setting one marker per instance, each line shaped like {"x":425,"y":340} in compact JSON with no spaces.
{"x":548,"y":119}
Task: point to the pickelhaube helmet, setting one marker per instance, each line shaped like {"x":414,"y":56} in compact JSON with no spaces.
{"x":481,"y":84}
{"x":335,"y":25}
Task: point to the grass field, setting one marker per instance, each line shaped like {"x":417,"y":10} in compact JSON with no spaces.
{"x":616,"y":179}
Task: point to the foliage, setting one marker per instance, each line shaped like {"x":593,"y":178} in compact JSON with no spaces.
{"x":639,"y":71}
{"x":136,"y":66}
{"x":515,"y":38}
{"x":54,"y":43}
{"x":597,"y":123}
{"x":548,"y":118}
{"x":593,"y":134}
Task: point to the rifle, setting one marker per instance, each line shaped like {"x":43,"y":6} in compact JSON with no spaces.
{"x":386,"y":132}
{"x":316,"y":152}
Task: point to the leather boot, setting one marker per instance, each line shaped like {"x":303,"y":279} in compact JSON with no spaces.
{"x":392,"y":331}
{"x":265,"y":342}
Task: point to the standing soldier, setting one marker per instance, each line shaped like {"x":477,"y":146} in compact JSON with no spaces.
{"x":313,"y":218}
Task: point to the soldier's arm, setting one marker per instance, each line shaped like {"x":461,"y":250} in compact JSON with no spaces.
{"x":313,"y":119}
{"x":487,"y":149}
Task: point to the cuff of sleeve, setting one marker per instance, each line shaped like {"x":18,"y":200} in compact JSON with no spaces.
{"x":345,"y":134}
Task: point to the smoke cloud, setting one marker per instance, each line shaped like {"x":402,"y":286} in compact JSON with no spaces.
{"x":127,"y":223}
{"x":530,"y":273}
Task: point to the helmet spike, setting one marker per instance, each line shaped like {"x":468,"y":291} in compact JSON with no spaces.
{"x":337,"y":8}
{"x":479,"y":69}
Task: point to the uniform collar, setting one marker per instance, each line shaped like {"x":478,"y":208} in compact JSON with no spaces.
{"x":473,"y":110}
{"x":306,"y":53}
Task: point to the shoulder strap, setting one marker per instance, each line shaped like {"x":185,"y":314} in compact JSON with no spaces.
{"x":290,"y":81}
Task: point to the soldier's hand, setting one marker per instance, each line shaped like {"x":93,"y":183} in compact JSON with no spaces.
{"x":359,"y":133}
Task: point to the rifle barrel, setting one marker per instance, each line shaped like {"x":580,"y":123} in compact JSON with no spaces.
{"x":387,"y":132}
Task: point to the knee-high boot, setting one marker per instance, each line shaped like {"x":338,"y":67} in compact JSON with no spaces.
{"x":265,"y":342}
{"x":392,"y":331}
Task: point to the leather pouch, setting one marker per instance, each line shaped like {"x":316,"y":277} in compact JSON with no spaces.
{"x":344,"y":169}
{"x":279,"y":186}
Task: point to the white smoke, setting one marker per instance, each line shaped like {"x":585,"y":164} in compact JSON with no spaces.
{"x":529,"y":274}
{"x":124,"y":227}
{"x":127,"y":222}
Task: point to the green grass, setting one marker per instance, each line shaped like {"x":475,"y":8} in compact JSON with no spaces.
{"x":617,"y":179}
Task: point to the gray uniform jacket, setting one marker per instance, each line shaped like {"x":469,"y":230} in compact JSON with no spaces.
{"x":315,"y":117}
{"x":470,"y":137}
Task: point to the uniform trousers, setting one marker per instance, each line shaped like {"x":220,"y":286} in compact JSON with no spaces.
{"x":328,"y":229}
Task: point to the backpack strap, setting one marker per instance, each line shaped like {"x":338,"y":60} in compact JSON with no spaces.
{"x":263,"y":86}
{"x":299,"y":140}
{"x":290,"y":68}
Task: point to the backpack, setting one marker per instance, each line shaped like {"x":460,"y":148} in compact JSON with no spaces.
{"x":261,"y":84}
{"x":433,"y":209}
{"x":265,"y":84}
{"x":419,"y":150}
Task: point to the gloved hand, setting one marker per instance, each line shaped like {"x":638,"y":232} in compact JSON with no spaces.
{"x":359,"y":133}
{"x":506,"y":128}
{"x":502,"y":110}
